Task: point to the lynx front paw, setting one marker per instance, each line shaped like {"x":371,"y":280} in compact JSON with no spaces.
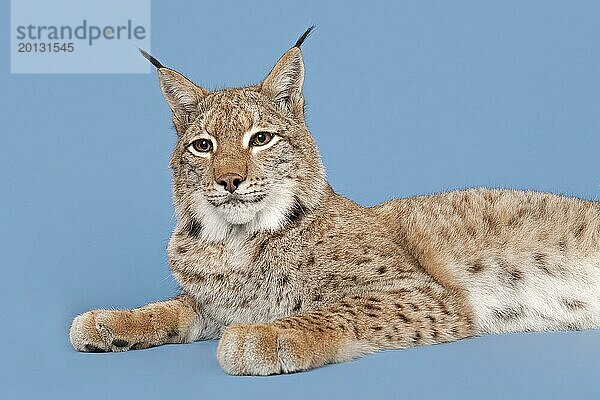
{"x":262,"y":349}
{"x":105,"y":330}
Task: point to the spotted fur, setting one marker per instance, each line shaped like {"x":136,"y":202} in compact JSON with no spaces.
{"x":290,"y":275}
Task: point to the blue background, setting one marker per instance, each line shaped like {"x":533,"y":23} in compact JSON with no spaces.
{"x":403,"y":98}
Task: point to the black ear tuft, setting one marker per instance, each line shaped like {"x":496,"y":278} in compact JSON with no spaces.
{"x":302,"y":38}
{"x":153,"y":60}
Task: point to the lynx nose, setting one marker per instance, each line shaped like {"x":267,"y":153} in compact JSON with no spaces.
{"x":230,"y":181}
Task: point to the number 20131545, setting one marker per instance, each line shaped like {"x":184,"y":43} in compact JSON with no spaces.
{"x":26,"y":47}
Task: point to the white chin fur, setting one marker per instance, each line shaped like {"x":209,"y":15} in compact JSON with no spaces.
{"x":239,"y":214}
{"x":269,"y":214}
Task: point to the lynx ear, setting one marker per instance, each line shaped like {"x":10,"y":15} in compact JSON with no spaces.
{"x":181,"y":94}
{"x":284,"y":82}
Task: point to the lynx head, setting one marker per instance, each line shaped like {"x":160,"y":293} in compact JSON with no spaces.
{"x":244,"y":158}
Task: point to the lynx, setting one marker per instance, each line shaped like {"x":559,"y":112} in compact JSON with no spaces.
{"x":290,"y":275}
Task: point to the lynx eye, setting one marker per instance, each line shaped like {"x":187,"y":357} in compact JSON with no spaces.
{"x":261,"y":138}
{"x":200,"y":146}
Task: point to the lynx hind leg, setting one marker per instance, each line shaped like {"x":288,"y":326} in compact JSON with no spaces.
{"x":343,"y":331}
{"x":171,"y":321}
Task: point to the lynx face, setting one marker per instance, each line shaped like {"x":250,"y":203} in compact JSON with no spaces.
{"x":244,"y":158}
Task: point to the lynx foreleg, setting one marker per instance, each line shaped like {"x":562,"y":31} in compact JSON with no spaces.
{"x":343,"y":331}
{"x":172,"y":321}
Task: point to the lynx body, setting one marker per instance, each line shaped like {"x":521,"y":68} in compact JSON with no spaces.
{"x":291,"y":276}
